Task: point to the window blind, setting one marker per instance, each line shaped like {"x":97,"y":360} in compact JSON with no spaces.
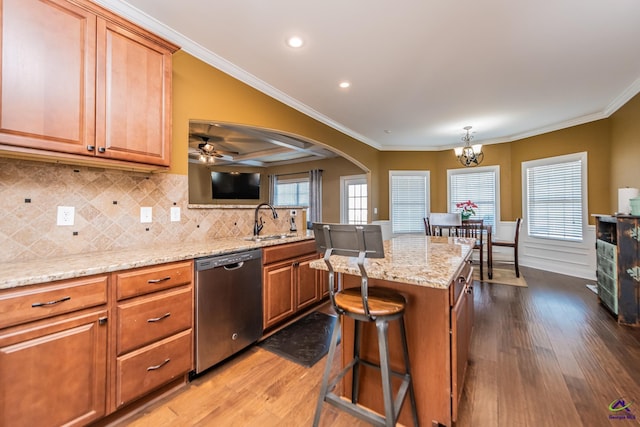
{"x":480,"y":188}
{"x":554,"y":200}
{"x":291,"y":192}
{"x":408,"y":202}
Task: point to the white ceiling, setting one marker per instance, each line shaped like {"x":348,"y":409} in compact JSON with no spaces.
{"x":420,"y":70}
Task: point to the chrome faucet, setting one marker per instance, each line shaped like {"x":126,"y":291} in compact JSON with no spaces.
{"x":257,"y":227}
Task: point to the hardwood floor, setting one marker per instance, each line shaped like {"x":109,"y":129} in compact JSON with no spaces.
{"x":546,"y":355}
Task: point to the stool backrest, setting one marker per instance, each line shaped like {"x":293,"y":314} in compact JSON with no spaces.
{"x":356,"y":241}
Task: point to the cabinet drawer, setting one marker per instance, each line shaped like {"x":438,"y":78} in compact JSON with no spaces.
{"x":150,"y":367}
{"x":608,"y":299}
{"x":459,"y":282}
{"x":29,"y":303}
{"x":608,"y":268}
{"x":150,"y":279}
{"x":144,"y":320}
{"x":606,"y":250}
{"x":607,"y":282}
{"x":277,"y":253}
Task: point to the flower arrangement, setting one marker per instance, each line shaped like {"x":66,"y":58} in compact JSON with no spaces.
{"x":467,"y":208}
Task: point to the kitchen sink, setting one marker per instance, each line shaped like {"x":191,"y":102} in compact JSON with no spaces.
{"x":269,"y":237}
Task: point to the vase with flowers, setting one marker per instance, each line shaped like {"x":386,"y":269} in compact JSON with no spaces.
{"x":466,"y":209}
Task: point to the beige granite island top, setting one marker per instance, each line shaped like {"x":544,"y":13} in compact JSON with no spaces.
{"x":414,"y":259}
{"x":29,"y":272}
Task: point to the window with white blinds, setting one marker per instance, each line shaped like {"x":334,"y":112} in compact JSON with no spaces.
{"x":480,"y":185}
{"x":409,"y":200}
{"x":291,"y":192}
{"x":556,"y":197}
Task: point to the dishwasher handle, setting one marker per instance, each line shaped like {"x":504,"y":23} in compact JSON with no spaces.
{"x":234,"y":266}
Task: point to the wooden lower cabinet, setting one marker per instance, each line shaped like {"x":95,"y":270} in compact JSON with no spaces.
{"x":153,"y":336}
{"x":289,"y":284}
{"x":439,"y":325}
{"x":146,"y":369}
{"x":54,"y":371}
{"x":75,"y":351}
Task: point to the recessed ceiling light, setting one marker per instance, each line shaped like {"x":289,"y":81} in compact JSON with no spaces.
{"x":344,"y":84}
{"x":295,"y":42}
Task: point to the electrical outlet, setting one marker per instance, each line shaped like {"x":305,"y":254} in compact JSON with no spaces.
{"x":66,"y":215}
{"x":293,"y":212}
{"x":145,"y":214}
{"x":175,"y":214}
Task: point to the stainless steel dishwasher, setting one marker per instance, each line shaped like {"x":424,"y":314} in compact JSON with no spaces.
{"x":228,"y":305}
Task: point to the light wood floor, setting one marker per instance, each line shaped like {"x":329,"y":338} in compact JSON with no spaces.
{"x":546,"y":355}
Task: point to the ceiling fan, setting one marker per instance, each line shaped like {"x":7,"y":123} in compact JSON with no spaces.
{"x":207,"y":153}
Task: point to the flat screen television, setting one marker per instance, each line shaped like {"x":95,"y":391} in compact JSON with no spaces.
{"x":235,"y":185}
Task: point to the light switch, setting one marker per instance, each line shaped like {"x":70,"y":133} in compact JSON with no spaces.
{"x":175,"y":213}
{"x":146,"y":214}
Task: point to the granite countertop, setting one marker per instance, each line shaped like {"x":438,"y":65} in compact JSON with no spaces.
{"x":414,"y":259}
{"x":23,"y":273}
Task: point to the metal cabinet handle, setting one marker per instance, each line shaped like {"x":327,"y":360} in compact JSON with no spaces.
{"x":469,"y":289}
{"x":43,"y":304}
{"x":164,"y":279}
{"x":157,"y":319}
{"x":101,"y":150}
{"x":153,"y":368}
{"x":91,"y":147}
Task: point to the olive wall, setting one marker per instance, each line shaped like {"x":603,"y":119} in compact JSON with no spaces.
{"x":625,"y":150}
{"x":591,"y":137}
{"x":203,"y":92}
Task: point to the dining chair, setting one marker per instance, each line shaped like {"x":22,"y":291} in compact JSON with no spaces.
{"x":427,"y":226}
{"x":474,"y":229}
{"x":444,"y":221}
{"x":512,"y":244}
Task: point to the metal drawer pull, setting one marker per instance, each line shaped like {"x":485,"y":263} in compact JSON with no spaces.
{"x":101,"y":150}
{"x":157,"y":319}
{"x":42,"y":304}
{"x":153,"y":368}
{"x":164,"y":279}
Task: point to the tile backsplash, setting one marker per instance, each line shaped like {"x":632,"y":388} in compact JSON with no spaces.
{"x":107,"y":211}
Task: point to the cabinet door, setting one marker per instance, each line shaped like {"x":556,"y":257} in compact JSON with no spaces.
{"x":628,"y":270}
{"x":461,"y":327}
{"x":278,"y":293}
{"x":54,"y":372}
{"x":48,"y":76}
{"x":133,"y":105}
{"x":306,"y":279}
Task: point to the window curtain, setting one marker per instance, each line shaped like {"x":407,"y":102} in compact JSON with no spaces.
{"x":273,"y":181}
{"x":315,"y":196}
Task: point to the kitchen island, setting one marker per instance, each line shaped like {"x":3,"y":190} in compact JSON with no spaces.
{"x":434,"y":275}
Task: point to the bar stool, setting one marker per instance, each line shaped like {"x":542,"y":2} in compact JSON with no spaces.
{"x":363,"y":304}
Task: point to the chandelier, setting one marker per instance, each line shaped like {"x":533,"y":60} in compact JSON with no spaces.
{"x":469,"y":155}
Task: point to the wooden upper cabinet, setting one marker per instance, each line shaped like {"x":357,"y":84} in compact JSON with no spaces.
{"x":48,"y":75}
{"x":79,"y":81}
{"x":133,"y":96}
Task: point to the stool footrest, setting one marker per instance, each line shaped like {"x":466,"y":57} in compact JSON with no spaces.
{"x":360,"y":411}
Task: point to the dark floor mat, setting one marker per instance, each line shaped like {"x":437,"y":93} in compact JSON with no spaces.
{"x":303,"y":342}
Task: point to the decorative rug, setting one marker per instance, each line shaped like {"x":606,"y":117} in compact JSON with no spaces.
{"x":501,"y":276}
{"x":304,"y":342}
